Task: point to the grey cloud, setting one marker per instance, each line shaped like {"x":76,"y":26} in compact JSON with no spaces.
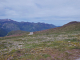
{"x":41,"y":9}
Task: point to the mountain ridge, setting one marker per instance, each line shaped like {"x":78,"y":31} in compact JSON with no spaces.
{"x":11,"y":25}
{"x":71,"y":26}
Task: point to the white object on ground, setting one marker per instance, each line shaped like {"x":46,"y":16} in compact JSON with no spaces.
{"x":31,"y":33}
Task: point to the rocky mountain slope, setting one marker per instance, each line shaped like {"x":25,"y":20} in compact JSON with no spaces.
{"x":3,"y":32}
{"x":11,"y":25}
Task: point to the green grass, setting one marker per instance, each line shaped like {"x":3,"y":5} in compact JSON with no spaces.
{"x":41,"y":46}
{"x":46,"y":55}
{"x":55,"y":44}
{"x":3,"y":46}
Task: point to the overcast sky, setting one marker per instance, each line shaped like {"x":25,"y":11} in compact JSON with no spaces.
{"x":57,"y":12}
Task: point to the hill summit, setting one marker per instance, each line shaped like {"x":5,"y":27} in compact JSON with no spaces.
{"x":71,"y":26}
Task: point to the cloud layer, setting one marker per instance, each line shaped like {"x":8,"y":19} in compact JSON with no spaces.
{"x":40,"y":10}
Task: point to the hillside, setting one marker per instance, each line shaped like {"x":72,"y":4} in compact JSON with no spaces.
{"x":16,"y":33}
{"x":62,"y":43}
{"x":69,"y":27}
{"x":3,"y":32}
{"x":11,"y":25}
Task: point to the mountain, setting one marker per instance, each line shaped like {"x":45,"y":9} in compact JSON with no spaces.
{"x":11,"y":25}
{"x":69,"y":27}
{"x":3,"y":32}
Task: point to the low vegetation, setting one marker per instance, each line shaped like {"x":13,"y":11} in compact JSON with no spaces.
{"x":64,"y":46}
{"x":44,"y":46}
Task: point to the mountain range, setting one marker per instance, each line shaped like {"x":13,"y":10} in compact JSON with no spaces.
{"x":69,"y":27}
{"x":7,"y":25}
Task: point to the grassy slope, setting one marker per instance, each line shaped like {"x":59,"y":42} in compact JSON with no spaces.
{"x":55,"y":45}
{"x":17,"y":33}
{"x":72,"y":26}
